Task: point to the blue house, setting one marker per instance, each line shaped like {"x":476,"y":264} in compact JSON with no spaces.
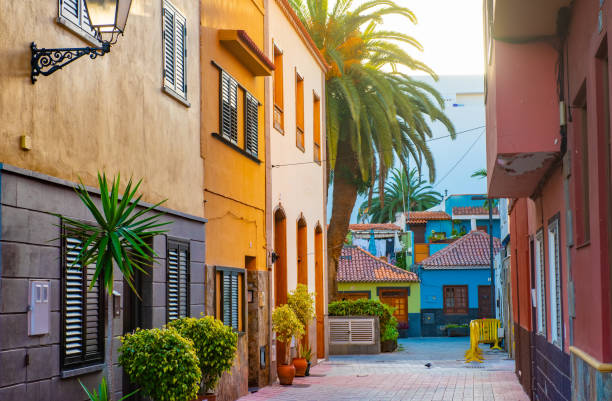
{"x":456,"y":283}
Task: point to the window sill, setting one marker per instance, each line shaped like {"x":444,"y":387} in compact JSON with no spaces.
{"x":583,"y":245}
{"x":236,"y":148}
{"x":82,"y":371}
{"x":80,"y":32}
{"x":175,"y":96}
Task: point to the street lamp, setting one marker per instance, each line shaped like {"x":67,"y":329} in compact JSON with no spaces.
{"x":108,"y":19}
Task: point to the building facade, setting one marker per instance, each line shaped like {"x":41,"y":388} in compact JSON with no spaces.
{"x":548,"y":148}
{"x":456,"y":283}
{"x":135,"y":111}
{"x":297,"y":182}
{"x":361,"y":275}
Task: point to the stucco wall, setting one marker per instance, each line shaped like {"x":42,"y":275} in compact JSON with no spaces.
{"x":414,"y":299}
{"x":298,"y":188}
{"x":433,"y":280}
{"x":108,"y":114}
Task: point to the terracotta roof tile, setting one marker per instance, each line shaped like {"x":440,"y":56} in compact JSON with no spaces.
{"x":472,"y":210}
{"x":374,"y":226}
{"x":358,"y":265}
{"x":424,"y":216}
{"x":470,"y":250}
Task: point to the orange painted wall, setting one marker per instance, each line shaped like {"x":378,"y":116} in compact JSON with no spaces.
{"x":234,"y":185}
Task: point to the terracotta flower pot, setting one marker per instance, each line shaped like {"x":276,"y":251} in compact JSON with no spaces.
{"x":286,"y":373}
{"x":300,"y":366}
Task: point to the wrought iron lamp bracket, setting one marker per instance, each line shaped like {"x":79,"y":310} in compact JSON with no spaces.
{"x":47,"y":61}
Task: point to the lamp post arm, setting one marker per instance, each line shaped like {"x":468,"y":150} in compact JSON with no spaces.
{"x":47,"y":61}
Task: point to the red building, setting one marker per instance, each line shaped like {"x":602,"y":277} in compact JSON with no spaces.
{"x":548,"y":148}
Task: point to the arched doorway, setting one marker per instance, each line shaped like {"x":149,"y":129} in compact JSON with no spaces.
{"x":280,"y":266}
{"x":319,"y":291}
{"x":302,"y":251}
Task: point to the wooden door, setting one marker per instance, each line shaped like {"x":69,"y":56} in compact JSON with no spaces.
{"x":398,"y":299}
{"x":484,"y":301}
{"x":319,"y":292}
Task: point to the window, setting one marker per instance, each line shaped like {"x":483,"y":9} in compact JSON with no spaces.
{"x":229,"y":108}
{"x":229,"y":294}
{"x":582,"y":165}
{"x":316,"y":131}
{"x":73,"y":15}
{"x":455,"y":299}
{"x":174,"y":34}
{"x":177,"y":280}
{"x":82,"y":310}
{"x":554,"y":271}
{"x":540,"y":282}
{"x":299,"y":111}
{"x":279,"y":122}
{"x":251,"y":106}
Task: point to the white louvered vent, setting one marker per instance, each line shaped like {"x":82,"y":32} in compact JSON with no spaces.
{"x":352,"y":331}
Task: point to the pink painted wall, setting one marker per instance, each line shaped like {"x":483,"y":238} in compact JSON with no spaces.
{"x":591,"y":261}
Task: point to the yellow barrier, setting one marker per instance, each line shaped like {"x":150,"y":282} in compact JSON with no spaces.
{"x":482,"y":331}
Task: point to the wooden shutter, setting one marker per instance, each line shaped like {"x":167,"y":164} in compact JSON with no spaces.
{"x":83,"y":311}
{"x":177,"y":285}
{"x":168,"y":39}
{"x":71,"y":10}
{"x":229,"y":107}
{"x":180,"y":50}
{"x":252,"y":124}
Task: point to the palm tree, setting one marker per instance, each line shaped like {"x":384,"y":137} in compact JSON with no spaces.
{"x":480,"y":173}
{"x":402,"y":192}
{"x":375,"y":113}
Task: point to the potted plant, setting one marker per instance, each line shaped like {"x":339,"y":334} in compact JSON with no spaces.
{"x":457,"y":330}
{"x":389,"y":336}
{"x":307,"y":355}
{"x":102,"y":393}
{"x":286,"y":325}
{"x":302,"y":304}
{"x":215,"y":345}
{"x":162,"y":362}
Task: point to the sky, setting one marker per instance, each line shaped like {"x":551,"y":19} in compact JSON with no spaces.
{"x":451,"y":34}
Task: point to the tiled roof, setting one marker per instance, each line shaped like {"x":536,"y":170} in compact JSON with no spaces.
{"x":374,"y":226}
{"x":423,"y":217}
{"x":470,"y":250}
{"x":472,"y":210}
{"x":358,"y":265}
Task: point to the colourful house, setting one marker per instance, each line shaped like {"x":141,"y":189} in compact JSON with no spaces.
{"x":456,"y":283}
{"x":362,"y":275}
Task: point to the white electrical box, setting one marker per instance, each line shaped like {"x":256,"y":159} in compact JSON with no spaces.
{"x":38,"y":310}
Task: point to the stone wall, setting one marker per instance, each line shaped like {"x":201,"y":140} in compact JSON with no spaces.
{"x":30,"y":248}
{"x":433,"y":327}
{"x":588,"y":383}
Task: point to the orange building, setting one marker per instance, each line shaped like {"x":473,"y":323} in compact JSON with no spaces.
{"x":233,"y":67}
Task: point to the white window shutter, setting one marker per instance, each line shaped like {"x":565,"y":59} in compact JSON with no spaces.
{"x":71,"y":10}
{"x":179,"y":51}
{"x":168,"y":36}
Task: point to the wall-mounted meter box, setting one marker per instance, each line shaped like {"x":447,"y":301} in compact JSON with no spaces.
{"x":38,"y":310}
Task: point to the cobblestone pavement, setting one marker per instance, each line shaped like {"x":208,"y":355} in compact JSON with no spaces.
{"x":402,"y":376}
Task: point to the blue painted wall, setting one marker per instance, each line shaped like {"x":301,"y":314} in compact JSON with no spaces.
{"x":433,"y":248}
{"x":433,"y":280}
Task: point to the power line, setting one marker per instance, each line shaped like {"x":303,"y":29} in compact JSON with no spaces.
{"x":428,"y":140}
{"x":459,"y":161}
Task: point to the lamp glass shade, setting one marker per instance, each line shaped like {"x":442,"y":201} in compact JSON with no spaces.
{"x":108,"y":15}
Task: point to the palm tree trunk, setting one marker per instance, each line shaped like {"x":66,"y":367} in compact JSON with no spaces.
{"x":344,"y":196}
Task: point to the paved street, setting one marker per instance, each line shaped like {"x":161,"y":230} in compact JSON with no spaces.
{"x":403,"y":376}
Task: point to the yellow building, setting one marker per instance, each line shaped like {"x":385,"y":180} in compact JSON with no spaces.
{"x":134,"y":111}
{"x":233,"y":149}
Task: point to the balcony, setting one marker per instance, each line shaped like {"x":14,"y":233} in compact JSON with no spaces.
{"x":522,"y":104}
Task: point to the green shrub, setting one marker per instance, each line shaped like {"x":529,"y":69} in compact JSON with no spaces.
{"x":367,"y":307}
{"x":215,"y":345}
{"x":162,"y":362}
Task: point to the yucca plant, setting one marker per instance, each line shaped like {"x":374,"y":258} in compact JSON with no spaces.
{"x":119,"y":234}
{"x":102,"y":394}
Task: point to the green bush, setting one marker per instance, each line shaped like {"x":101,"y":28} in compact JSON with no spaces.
{"x":215,"y":345}
{"x":162,"y":362}
{"x":368,"y":307}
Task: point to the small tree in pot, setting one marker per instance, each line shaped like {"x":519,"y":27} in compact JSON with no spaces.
{"x":286,"y":325}
{"x":302,"y":304}
{"x":215,"y":345}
